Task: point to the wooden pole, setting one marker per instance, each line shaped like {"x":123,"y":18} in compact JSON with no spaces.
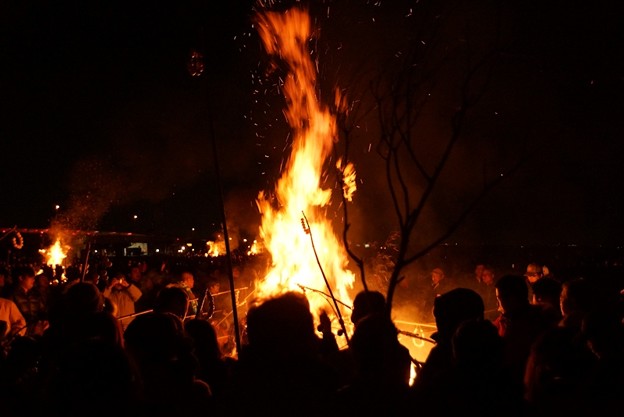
{"x":226,"y":238}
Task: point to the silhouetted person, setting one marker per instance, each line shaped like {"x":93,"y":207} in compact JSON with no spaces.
{"x":83,"y":316}
{"x":578,"y":298}
{"x":30,"y":302}
{"x":380,"y":385}
{"x":450,"y":310}
{"x":440,"y":284}
{"x":20,"y":383}
{"x":162,"y":353}
{"x":534,"y":272}
{"x":279,"y":371}
{"x":173,"y":300}
{"x":487,"y":290}
{"x":93,"y":376}
{"x":558,"y":375}
{"x":479,"y":383}
{"x":68,"y":370}
{"x":475,"y":382}
{"x":366,"y":303}
{"x":546,"y":294}
{"x":603,"y":331}
{"x":519,"y":323}
{"x":214,"y":368}
{"x":186,"y":281}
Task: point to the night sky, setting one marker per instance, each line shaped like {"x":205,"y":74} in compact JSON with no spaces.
{"x":100,"y":115}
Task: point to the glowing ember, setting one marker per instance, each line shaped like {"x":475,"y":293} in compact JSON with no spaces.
{"x":255,"y":248}
{"x":298,"y":192}
{"x":349,"y":185}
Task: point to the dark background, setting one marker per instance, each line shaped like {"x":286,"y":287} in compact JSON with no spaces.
{"x":100,"y":116}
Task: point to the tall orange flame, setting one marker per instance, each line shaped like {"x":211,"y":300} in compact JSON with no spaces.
{"x":298,"y":192}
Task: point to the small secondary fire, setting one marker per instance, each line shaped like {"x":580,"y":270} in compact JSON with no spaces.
{"x":56,"y":253}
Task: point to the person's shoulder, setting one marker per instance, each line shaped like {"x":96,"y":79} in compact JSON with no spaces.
{"x":6,"y":302}
{"x":404,"y":352}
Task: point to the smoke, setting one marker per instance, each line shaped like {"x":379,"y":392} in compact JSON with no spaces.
{"x":142,"y":159}
{"x":94,"y":188}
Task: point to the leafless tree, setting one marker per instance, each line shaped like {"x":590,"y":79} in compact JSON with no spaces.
{"x":442,"y":74}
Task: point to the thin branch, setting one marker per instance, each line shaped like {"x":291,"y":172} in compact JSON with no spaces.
{"x":469,"y":208}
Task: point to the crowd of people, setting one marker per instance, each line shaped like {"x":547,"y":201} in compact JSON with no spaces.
{"x":133,"y":341}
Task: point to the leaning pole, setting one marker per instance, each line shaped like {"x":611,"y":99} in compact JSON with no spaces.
{"x":196,"y":69}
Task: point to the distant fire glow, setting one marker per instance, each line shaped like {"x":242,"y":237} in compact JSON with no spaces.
{"x":298,"y":191}
{"x":215,"y":248}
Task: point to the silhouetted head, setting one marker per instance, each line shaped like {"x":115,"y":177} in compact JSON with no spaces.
{"x":156,"y":338}
{"x":477,"y":345}
{"x":204,"y":338}
{"x":577,"y":295}
{"x":578,"y":298}
{"x":83,"y":298}
{"x":367,"y":302}
{"x":101,"y":327}
{"x":25,"y":277}
{"x":173,"y":300}
{"x":512,"y":293}
{"x":453,"y":307}
{"x":547,"y":291}
{"x":282,"y":326}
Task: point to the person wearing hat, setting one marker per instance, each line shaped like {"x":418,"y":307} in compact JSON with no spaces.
{"x":534,"y":273}
{"x":440,"y":284}
{"x":439,"y":281}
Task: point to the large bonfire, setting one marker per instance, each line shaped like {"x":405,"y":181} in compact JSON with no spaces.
{"x":305,"y":252}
